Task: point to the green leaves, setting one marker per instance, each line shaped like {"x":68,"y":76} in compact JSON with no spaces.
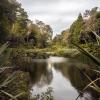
{"x":4,"y":55}
{"x":92,"y":83}
{"x":76,"y":28}
{"x":12,"y":13}
{"x":10,"y":78}
{"x":40,"y":33}
{"x":92,"y":57}
{"x":3,"y":47}
{"x":86,"y":29}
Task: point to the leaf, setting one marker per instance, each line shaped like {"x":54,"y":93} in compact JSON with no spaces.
{"x":92,"y":57}
{"x":91,"y":84}
{"x":98,"y":37}
{"x":9,"y":95}
{"x":8,"y":80}
{"x":3,"y":58}
{"x":20,"y":94}
{"x":3,"y":47}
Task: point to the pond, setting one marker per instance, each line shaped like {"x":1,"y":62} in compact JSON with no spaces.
{"x":62,"y":80}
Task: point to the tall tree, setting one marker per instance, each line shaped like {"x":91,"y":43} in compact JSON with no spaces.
{"x":19,"y":28}
{"x":8,"y":9}
{"x":41,"y":32}
{"x":76,"y":28}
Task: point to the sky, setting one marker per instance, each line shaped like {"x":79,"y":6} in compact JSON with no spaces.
{"x":59,"y":14}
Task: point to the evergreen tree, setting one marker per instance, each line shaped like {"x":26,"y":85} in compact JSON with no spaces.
{"x":76,"y":28}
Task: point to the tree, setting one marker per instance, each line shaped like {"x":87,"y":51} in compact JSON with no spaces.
{"x":19,"y":28}
{"x":8,"y":9}
{"x":40,"y":33}
{"x":76,"y":28}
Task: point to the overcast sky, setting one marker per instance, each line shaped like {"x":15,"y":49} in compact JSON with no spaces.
{"x":58,"y":13}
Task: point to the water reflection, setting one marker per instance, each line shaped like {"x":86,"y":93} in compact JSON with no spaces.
{"x":40,"y":74}
{"x":65,"y":79}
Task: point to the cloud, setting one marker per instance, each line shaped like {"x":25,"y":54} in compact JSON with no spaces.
{"x":58,"y":13}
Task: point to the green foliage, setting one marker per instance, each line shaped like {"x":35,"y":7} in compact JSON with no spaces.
{"x":19,"y":28}
{"x":4,"y":29}
{"x":93,"y":11}
{"x":76,"y":28}
{"x":9,"y":80}
{"x":92,"y":57}
{"x":14,"y":26}
{"x":98,"y":14}
{"x":92,"y":84}
{"x":4,"y":55}
{"x":40,"y":33}
{"x":13,"y":20}
{"x":62,"y":39}
{"x":7,"y":17}
{"x":82,"y":29}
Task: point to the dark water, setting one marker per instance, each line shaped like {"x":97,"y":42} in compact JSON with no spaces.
{"x":65,"y":80}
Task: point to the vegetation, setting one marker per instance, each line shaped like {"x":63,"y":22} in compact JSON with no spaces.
{"x":22,"y":40}
{"x":8,"y":80}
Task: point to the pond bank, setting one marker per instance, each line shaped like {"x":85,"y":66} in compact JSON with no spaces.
{"x":22,"y":77}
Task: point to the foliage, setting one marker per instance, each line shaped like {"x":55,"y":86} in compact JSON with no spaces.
{"x":62,"y":39}
{"x":92,"y":84}
{"x":8,"y":79}
{"x":94,"y":59}
{"x":40,"y":33}
{"x":8,"y":10}
{"x":82,"y":29}
{"x":76,"y":29}
{"x":17,"y":28}
{"x":4,"y":55}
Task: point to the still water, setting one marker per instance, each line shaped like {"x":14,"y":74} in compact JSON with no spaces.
{"x":65,"y":81}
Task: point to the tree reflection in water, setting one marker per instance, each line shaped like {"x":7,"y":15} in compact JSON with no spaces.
{"x":41,"y":73}
{"x":78,"y":79}
{"x":42,"y":77}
